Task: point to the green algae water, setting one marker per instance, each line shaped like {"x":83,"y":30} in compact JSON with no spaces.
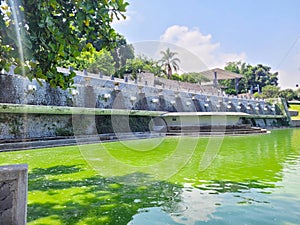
{"x":176,"y":180}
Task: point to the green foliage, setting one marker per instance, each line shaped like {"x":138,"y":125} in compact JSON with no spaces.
{"x":191,"y":77}
{"x":230,"y":91}
{"x":47,"y":33}
{"x":288,"y":94}
{"x":270,"y":91}
{"x":257,"y":95}
{"x":176,"y":76}
{"x":228,"y":86}
{"x":169,"y":62}
{"x":121,"y":54}
{"x":104,"y":63}
{"x":194,"y":77}
{"x":5,"y":61}
{"x":297,"y":92}
{"x":153,"y":66}
{"x":134,"y":66}
{"x":142,"y":64}
{"x":93,"y":61}
{"x":254,"y":77}
{"x":86,"y":57}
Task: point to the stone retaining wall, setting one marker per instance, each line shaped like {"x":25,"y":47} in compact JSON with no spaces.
{"x":93,"y":92}
{"x":106,"y":93}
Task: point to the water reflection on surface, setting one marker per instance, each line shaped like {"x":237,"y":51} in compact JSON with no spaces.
{"x":252,"y":180}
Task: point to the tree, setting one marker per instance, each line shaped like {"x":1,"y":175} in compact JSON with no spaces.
{"x":288,"y":94}
{"x":236,"y":67}
{"x":104,"y":63}
{"x":93,"y":61}
{"x":142,"y":64}
{"x":37,"y":36}
{"x":121,"y":54}
{"x":194,"y":77}
{"x":254,"y":77}
{"x":86,"y":57}
{"x":297,"y":91}
{"x":230,"y":85}
{"x":134,"y":66}
{"x":169,"y":61}
{"x":152,"y":66}
{"x":269,"y":91}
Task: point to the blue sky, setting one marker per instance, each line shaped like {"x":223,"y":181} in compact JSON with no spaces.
{"x":253,"y":31}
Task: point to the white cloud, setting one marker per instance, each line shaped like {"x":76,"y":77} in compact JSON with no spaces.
{"x":288,"y":78}
{"x":201,"y":45}
{"x":189,"y":62}
{"x":288,"y":70}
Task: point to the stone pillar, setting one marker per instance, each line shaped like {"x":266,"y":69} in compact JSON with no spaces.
{"x":236,"y":85}
{"x":215,"y":79}
{"x":13,"y":194}
{"x":258,"y":89}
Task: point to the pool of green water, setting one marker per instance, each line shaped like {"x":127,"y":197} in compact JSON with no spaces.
{"x":175,"y":180}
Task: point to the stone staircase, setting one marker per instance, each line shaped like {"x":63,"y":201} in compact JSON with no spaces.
{"x":49,"y":142}
{"x":214,"y":130}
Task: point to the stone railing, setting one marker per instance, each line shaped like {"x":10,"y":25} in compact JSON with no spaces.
{"x":148,"y":79}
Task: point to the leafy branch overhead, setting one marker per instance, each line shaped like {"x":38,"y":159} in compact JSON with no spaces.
{"x":37,"y":36}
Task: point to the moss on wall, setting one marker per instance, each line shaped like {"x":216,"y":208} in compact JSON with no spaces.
{"x":135,"y":124}
{"x":139,"y":123}
{"x":15,"y":126}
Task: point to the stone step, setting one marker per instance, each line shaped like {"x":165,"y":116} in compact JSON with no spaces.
{"x":221,"y":127}
{"x":23,"y":144}
{"x":218,"y":130}
{"x":262,"y":131}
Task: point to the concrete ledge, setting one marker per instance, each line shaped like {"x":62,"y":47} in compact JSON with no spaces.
{"x":240,"y":114}
{"x":294,"y":102}
{"x":222,"y":114}
{"x":65,"y":110}
{"x":266,"y":116}
{"x":13,"y":194}
{"x":22,"y":144}
{"x":293,"y":113}
{"x":295,"y":123}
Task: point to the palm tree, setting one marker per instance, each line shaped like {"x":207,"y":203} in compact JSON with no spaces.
{"x":169,"y":61}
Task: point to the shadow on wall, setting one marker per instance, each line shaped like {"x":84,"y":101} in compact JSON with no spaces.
{"x":125,"y":124}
